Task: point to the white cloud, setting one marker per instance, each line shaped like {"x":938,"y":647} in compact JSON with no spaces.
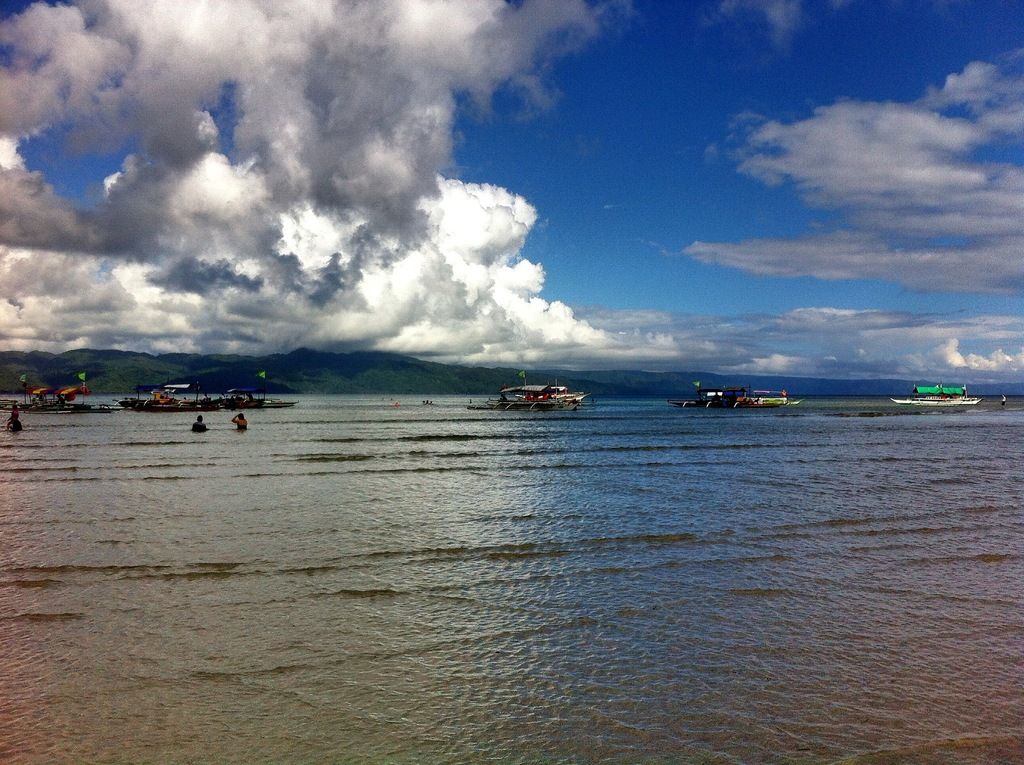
{"x":919,"y":205}
{"x":997,"y":361}
{"x":781,"y":18}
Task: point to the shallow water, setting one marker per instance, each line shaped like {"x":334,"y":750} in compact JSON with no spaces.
{"x":354,"y":581}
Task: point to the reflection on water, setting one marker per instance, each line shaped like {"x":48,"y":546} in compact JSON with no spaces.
{"x":349,"y":580}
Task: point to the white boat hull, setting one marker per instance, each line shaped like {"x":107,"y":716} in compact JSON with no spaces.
{"x":528,"y":406}
{"x":936,"y":401}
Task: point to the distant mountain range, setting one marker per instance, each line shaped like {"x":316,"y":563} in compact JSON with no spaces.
{"x":307,"y":371}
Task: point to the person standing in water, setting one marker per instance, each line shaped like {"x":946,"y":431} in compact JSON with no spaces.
{"x":240,"y":422}
{"x":199,"y":426}
{"x":14,"y":421}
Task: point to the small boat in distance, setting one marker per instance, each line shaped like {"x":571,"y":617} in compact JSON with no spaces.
{"x":736,"y":397}
{"x":938,"y":395}
{"x":535,"y":398}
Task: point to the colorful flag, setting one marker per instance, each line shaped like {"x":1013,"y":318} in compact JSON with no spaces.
{"x":81,"y":376}
{"x":262,"y":373}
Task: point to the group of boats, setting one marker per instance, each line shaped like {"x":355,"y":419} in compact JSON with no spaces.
{"x":40,"y":398}
{"x":744,"y":398}
{"x":545,"y":398}
{"x":540,"y":398}
{"x":189,"y":397}
{"x":174,"y":397}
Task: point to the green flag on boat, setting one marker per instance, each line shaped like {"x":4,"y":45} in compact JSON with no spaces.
{"x":262,"y":373}
{"x":81,"y":376}
{"x":696,"y":383}
{"x":23,"y":379}
{"x":522,"y":374}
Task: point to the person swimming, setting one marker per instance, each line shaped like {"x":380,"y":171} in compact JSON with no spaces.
{"x":199,"y":426}
{"x":240,"y":422}
{"x":14,"y":421}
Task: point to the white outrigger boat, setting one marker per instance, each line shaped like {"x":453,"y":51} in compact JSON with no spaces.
{"x":939,"y":395}
{"x":534,"y":398}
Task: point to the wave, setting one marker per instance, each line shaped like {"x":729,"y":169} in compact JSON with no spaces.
{"x":192,"y":575}
{"x":83,"y":569}
{"x":134,"y":571}
{"x":383,"y":592}
{"x":979,"y":558}
{"x":533,"y":549}
{"x":759,"y":592}
{"x":311,"y":570}
{"x":30,"y":583}
{"x":336,"y":458}
{"x":987,"y":749}
{"x":453,"y":437}
{"x":69,"y":616}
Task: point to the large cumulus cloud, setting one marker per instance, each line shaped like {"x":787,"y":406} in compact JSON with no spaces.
{"x":281,"y":181}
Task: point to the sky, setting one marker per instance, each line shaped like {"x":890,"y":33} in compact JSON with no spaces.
{"x":830,"y":188}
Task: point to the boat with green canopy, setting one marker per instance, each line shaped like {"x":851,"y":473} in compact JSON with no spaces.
{"x":939,"y":395}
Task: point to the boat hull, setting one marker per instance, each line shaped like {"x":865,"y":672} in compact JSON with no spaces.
{"x":694,"y":404}
{"x":527,"y":406}
{"x":258,"y":404}
{"x":936,"y":402}
{"x":178,"y":406}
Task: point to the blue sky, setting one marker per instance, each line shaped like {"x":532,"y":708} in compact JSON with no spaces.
{"x":795,"y":186}
{"x":632,"y":164}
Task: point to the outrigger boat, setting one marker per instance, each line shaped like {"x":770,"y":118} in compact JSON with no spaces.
{"x":252,"y":398}
{"x":167,"y":398}
{"x":143,"y":393}
{"x":42,"y":398}
{"x":774,"y":398}
{"x":939,"y":395}
{"x":737,"y":397}
{"x":535,"y":398}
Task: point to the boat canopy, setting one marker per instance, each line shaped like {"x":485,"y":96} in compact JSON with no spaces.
{"x":940,"y":390}
{"x":73,"y":390}
{"x":245,"y":390}
{"x":40,"y":390}
{"x":534,"y":389}
{"x":180,"y":387}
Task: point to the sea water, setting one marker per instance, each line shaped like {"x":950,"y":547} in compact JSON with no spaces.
{"x":368,"y":579}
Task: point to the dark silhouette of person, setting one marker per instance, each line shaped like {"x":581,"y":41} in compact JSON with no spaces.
{"x":199,"y":426}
